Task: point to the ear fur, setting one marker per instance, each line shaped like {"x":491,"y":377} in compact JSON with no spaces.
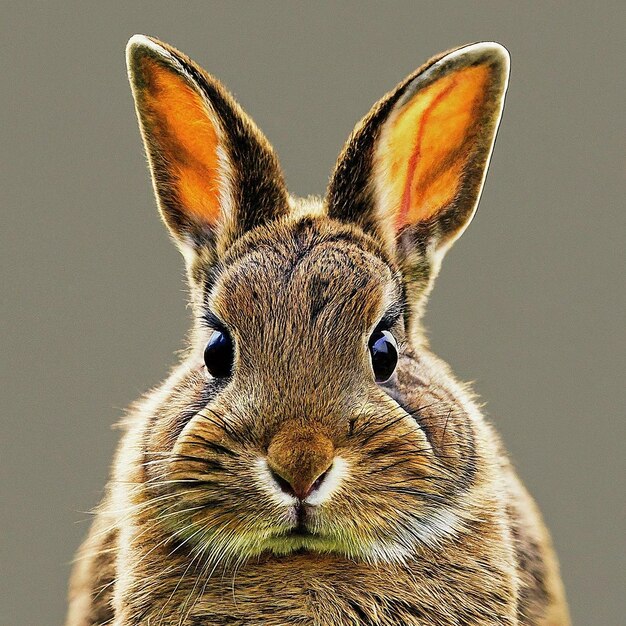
{"x":214,"y":173}
{"x":420,"y":157}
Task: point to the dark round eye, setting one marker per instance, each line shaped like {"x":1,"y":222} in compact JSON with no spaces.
{"x":384,"y":352}
{"x":219,"y":354}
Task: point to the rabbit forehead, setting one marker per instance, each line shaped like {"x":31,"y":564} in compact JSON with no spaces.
{"x":304,"y":278}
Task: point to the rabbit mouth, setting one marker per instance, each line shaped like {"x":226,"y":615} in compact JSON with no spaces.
{"x":301,"y":529}
{"x":300,"y":532}
{"x":300,"y":540}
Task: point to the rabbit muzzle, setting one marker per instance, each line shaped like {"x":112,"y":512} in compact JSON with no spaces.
{"x":299,"y":459}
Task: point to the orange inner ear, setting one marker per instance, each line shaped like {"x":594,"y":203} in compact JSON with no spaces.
{"x":430,"y":142}
{"x":187,"y":139}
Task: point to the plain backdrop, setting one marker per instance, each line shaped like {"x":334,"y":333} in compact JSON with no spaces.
{"x":529,"y":305}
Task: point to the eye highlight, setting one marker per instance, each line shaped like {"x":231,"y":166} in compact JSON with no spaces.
{"x":219,"y":354}
{"x":384,"y":354}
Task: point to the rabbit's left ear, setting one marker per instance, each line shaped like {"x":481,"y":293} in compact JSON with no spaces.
{"x":214,"y":173}
{"x":413,"y":170}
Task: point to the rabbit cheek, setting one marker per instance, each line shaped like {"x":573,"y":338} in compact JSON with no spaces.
{"x":180,"y":401}
{"x":395,"y":500}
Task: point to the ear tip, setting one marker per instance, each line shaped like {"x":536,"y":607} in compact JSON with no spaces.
{"x":490,"y":51}
{"x":139,"y":46}
{"x":498,"y":52}
{"x":136,"y":43}
{"x":138,"y":39}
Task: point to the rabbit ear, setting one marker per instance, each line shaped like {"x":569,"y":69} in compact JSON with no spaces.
{"x":214,"y":173}
{"x":414,"y":168}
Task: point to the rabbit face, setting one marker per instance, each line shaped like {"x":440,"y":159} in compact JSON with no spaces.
{"x":300,"y":448}
{"x":293,"y":444}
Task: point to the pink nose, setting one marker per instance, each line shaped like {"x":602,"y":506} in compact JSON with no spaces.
{"x":299,"y":458}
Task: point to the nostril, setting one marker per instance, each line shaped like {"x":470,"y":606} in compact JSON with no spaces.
{"x":285,"y":485}
{"x":318,"y":481}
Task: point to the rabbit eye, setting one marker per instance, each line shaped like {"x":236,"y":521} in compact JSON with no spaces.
{"x":384,"y":352}
{"x":218,"y":354}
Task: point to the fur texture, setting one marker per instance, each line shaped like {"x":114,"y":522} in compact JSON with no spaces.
{"x":298,"y":490}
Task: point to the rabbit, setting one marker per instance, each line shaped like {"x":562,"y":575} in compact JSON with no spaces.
{"x":310,"y":461}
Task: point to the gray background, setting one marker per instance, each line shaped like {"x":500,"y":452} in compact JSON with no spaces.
{"x":529,"y":304}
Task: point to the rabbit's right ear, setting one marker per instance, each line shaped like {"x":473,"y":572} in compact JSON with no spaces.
{"x":214,"y":173}
{"x":417,"y":162}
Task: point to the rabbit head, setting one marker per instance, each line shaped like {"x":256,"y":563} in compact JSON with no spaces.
{"x":307,"y":413}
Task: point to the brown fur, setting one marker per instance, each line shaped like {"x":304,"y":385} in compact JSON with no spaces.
{"x":427,"y":524}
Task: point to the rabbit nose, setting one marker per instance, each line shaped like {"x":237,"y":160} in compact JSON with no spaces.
{"x":300,"y":489}
{"x":299,"y":459}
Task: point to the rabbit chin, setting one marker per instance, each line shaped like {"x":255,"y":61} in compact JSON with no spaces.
{"x":427,"y":533}
{"x":353,"y":548}
{"x":400,"y":549}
